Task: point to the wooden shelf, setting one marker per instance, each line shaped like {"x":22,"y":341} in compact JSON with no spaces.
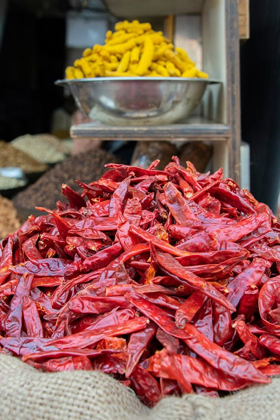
{"x":135,"y":8}
{"x":195,"y":128}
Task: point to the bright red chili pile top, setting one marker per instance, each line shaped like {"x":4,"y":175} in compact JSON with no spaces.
{"x":168,"y":280}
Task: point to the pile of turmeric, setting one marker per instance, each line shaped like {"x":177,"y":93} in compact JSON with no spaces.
{"x":134,"y":50}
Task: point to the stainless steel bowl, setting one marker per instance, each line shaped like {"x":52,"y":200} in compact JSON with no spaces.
{"x":137,"y":100}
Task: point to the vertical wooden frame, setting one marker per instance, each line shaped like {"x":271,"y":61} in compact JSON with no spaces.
{"x":233,"y":86}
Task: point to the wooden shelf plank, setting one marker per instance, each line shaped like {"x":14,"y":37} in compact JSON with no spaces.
{"x":135,"y":8}
{"x":191,"y":130}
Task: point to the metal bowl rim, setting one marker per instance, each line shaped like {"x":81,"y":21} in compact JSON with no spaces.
{"x":62,"y":82}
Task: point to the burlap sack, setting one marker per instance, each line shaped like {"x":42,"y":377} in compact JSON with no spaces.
{"x":29,"y":394}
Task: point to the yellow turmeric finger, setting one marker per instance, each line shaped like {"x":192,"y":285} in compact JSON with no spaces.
{"x":202,"y":74}
{"x":117,"y":34}
{"x":172,"y":70}
{"x":157,"y":38}
{"x":123,"y":65}
{"x":132,"y":68}
{"x":109,"y":73}
{"x":97,"y":48}
{"x":69,"y":73}
{"x":109,"y":35}
{"x":113,"y":58}
{"x":160,"y":69}
{"x":190,"y":73}
{"x":120,"y":48}
{"x":92,"y":57}
{"x":78,"y":62}
{"x":145,"y":26}
{"x":138,"y":31}
{"x":121,"y":39}
{"x":111,"y":66}
{"x":78,"y":74}
{"x":87,"y":52}
{"x":121,"y":25}
{"x":184,"y":56}
{"x":159,"y":52}
{"x":99,"y":69}
{"x":171,"y":56}
{"x":135,"y":54}
{"x":86,"y":68}
{"x":105,"y":54}
{"x":147,"y":56}
{"x":155,"y":74}
{"x":162,"y":63}
{"x":127,"y":25}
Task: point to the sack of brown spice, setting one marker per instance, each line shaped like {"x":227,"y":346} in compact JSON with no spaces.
{"x":9,"y":221}
{"x":10,"y":156}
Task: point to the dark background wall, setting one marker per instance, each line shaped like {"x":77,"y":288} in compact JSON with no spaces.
{"x":260,"y":99}
{"x":32,"y":57}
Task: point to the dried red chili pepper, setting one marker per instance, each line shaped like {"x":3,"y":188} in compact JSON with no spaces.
{"x":268,"y":296}
{"x":189,"y":308}
{"x":186,"y":370}
{"x":251,"y":275}
{"x":138,"y":342}
{"x":249,"y":302}
{"x":14,"y":319}
{"x":31,"y":318}
{"x":247,"y":337}
{"x":171,"y":266}
{"x":183,"y":249}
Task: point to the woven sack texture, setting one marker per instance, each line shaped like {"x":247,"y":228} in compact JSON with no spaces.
{"x":88,"y":395}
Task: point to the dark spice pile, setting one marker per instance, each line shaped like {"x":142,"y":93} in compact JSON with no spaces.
{"x":167,"y":280}
{"x":88,"y":166}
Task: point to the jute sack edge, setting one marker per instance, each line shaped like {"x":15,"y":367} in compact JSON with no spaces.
{"x":27,"y":393}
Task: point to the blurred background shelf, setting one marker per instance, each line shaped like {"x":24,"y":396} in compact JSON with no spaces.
{"x":192,"y":129}
{"x":209,"y":31}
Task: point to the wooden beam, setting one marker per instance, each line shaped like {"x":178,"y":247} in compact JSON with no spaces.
{"x":244,"y":19}
{"x":168,"y":28}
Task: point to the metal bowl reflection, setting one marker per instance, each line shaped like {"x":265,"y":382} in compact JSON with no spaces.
{"x":137,"y":100}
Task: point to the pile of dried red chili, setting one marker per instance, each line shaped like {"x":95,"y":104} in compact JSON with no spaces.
{"x":167,"y":280}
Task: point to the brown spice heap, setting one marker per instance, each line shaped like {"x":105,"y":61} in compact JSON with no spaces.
{"x":7,"y":183}
{"x":42,"y":147}
{"x":9,"y":221}
{"x":88,"y":166}
{"x":9,"y":156}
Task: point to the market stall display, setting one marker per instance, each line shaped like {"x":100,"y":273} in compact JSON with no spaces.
{"x":134,"y":50}
{"x":167,"y":280}
{"x":42,"y":147}
{"x":9,"y":220}
{"x":87,"y":166}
